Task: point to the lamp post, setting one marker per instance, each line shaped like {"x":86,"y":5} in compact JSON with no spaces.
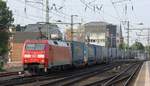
{"x":88,"y":37}
{"x":111,"y":40}
{"x":72,"y":16}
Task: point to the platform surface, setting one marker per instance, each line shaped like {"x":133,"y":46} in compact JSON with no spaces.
{"x":143,"y":78}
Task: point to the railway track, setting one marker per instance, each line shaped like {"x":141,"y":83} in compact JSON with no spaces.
{"x":127,"y":77}
{"x":9,"y":74}
{"x":69,"y":81}
{"x":121,"y":79}
{"x":52,"y":76}
{"x":28,"y":79}
{"x":65,"y":78}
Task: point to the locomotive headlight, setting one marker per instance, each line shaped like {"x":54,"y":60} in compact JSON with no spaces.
{"x":27,"y":55}
{"x":42,"y":60}
{"x":25,"y":60}
{"x":40,"y":56}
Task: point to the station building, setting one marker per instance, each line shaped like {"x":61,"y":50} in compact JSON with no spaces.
{"x":98,"y":33}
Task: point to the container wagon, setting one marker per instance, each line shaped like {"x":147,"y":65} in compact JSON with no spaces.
{"x":77,"y":49}
{"x":99,"y":57}
{"x":105,"y":54}
{"x":90,"y":54}
{"x":114,"y":53}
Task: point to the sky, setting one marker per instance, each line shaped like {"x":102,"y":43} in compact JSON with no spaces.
{"x":137,"y":11}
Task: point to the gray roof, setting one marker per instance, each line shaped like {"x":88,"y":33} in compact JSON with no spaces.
{"x":20,"y":37}
{"x":97,"y":23}
{"x":35,"y":27}
{"x":95,"y":26}
{"x":53,"y":29}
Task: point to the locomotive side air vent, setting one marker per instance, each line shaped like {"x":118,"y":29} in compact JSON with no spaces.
{"x":68,"y":44}
{"x":55,"y":42}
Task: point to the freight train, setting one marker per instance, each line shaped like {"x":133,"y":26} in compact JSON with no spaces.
{"x":42,"y":55}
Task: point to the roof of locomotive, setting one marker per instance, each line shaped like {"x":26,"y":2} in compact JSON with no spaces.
{"x":50,"y":42}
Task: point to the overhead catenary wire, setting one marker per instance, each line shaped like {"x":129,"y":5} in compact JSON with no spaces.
{"x":90,"y":7}
{"x":120,"y":1}
{"x":115,"y":9}
{"x":58,"y":15}
{"x":26,"y":17}
{"x":133,"y":10}
{"x":56,"y":8}
{"x":125,"y":9}
{"x":94,"y":7}
{"x":117,"y":12}
{"x":113,"y":3}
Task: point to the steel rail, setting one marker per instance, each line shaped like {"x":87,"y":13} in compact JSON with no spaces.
{"x":79,"y":76}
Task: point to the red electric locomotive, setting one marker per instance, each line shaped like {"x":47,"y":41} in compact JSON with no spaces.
{"x":42,"y":55}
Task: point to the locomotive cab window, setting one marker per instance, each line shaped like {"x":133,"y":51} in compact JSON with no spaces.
{"x":35,"y":46}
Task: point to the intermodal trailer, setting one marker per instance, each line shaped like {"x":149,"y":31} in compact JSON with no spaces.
{"x":114,"y":53}
{"x":99,"y":58}
{"x":77,"y":53}
{"x":105,"y":54}
{"x":90,"y":54}
{"x":119,"y":54}
{"x":46,"y":54}
{"x":110,"y":54}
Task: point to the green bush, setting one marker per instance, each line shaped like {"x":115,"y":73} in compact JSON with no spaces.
{"x":1,"y":65}
{"x":3,"y":42}
{"x":3,"y":49}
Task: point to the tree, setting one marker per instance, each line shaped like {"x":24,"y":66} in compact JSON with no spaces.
{"x":137,"y":46}
{"x":6,"y":20}
{"x":18,"y":28}
{"x":147,"y":48}
{"x":122,"y":46}
{"x":5,"y":16}
{"x":4,"y":36}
